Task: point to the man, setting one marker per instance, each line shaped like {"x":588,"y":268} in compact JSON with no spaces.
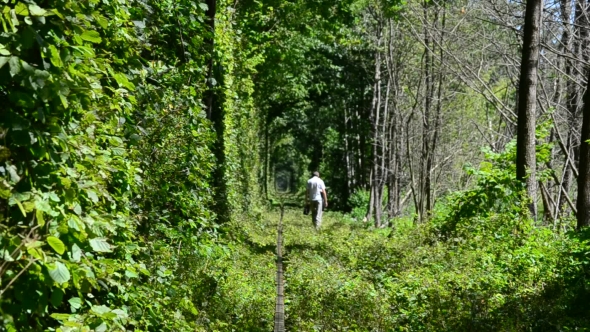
{"x":316,"y":193}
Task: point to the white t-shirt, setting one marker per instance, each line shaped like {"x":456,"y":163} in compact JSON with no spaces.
{"x":315,"y":186}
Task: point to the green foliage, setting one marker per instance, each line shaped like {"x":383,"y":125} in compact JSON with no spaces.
{"x":496,"y":191}
{"x":497,"y":273}
{"x":480,"y":264}
{"x":358,"y":202}
{"x":66,"y":172}
{"x":105,"y":163}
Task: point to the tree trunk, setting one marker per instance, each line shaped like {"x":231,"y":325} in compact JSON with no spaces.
{"x":422,"y":180}
{"x":347,"y":156}
{"x":376,"y":189}
{"x":583,"y":203}
{"x":565,"y":47}
{"x":527,"y":101}
{"x":437,"y":122}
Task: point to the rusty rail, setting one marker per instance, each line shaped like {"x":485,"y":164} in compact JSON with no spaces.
{"x":279,"y":325}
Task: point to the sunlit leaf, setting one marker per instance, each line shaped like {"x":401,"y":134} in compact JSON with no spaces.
{"x":60,"y":273}
{"x":76,"y":253}
{"x":92,"y":195}
{"x":64,"y":100}
{"x":75,"y":302}
{"x":20,"y":206}
{"x":56,"y":244}
{"x":3,"y":60}
{"x":40,"y":217}
{"x":54,"y":56}
{"x":35,"y":253}
{"x":130,"y":274}
{"x":3,"y":51}
{"x":36,"y":10}
{"x":5,"y":255}
{"x":15,"y":66}
{"x":91,"y":36}
{"x":53,"y":196}
{"x":100,"y":245}
{"x":21,"y":9}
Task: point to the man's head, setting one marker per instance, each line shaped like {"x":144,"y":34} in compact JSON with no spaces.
{"x":316,"y":173}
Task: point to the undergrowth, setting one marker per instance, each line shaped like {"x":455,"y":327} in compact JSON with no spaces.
{"x":480,"y":264}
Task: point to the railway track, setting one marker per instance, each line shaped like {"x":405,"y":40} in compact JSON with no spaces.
{"x":279,"y":321}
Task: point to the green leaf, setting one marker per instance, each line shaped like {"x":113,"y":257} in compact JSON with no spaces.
{"x":64,"y":100}
{"x":74,"y":224}
{"x":35,"y":244}
{"x":100,"y":245}
{"x":100,"y":309}
{"x":27,"y":67}
{"x":118,"y":151}
{"x":54,"y":56}
{"x":53,"y":196}
{"x":78,"y":40}
{"x":56,"y":244}
{"x":204,"y":6}
{"x":20,"y":206}
{"x":60,"y":273}
{"x":75,"y":303}
{"x":56,"y":12}
{"x":36,"y":253}
{"x":21,"y":9}
{"x":130,"y":274}
{"x":42,"y":205}
{"x":3,"y":60}
{"x":102,"y":21}
{"x":77,"y":209}
{"x":91,"y":36}
{"x":5,"y":255}
{"x":14,"y":66}
{"x":36,"y":10}
{"x":4,"y":51}
{"x":101,"y":328}
{"x":92,"y":195}
{"x":76,"y":253}
{"x":124,"y":81}
{"x":61,"y":317}
{"x":39,"y":216}
{"x":120,"y":313}
{"x":14,"y":177}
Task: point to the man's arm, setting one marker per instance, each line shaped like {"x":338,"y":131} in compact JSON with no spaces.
{"x":307,"y":195}
{"x":325,"y":197}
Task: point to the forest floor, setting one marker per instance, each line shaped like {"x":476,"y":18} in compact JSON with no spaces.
{"x":319,"y":272}
{"x":351,"y":277}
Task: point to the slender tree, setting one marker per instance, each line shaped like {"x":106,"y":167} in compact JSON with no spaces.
{"x":583,"y":203}
{"x":527,"y":100}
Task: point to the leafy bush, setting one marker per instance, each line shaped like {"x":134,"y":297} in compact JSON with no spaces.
{"x":359,"y":201}
{"x":106,"y":195}
{"x":481,"y":264}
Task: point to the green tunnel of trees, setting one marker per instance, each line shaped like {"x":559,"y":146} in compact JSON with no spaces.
{"x":143,"y":144}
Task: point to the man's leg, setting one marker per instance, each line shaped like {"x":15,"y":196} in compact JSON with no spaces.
{"x":319,"y":215}
{"x":314,"y":213}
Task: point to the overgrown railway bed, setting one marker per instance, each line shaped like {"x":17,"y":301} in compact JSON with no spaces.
{"x":279,"y":319}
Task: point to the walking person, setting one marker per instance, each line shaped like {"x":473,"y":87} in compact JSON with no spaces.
{"x":316,"y":193}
